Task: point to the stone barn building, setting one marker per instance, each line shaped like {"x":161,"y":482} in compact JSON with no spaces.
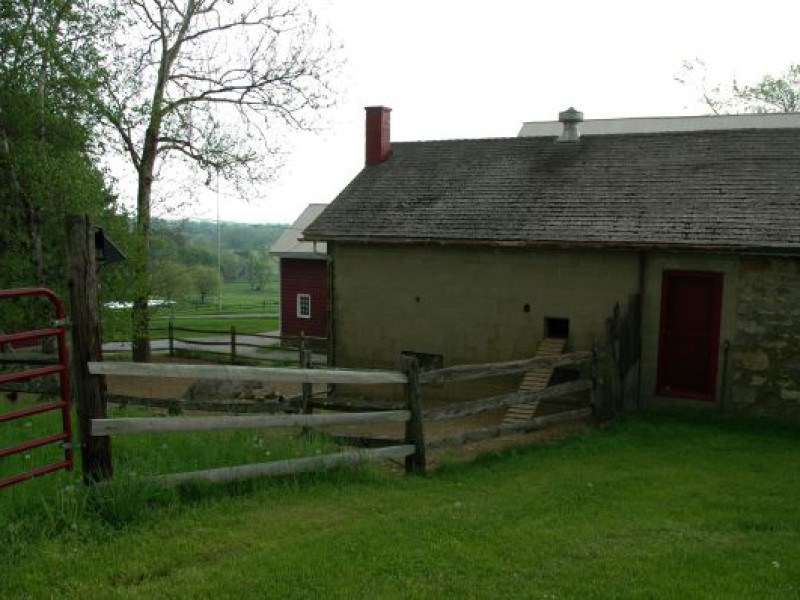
{"x":469,"y":251}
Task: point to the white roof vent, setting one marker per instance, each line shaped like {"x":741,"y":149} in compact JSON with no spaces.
{"x":570,"y":118}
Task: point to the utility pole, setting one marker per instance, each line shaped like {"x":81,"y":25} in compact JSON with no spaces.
{"x":219,"y":253}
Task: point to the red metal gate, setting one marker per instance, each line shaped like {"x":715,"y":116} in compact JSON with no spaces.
{"x":60,"y":368}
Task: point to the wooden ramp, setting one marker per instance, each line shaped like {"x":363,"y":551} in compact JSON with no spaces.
{"x":535,"y":379}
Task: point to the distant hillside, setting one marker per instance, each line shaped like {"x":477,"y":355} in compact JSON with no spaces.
{"x":239,"y":237}
{"x":242,"y":246}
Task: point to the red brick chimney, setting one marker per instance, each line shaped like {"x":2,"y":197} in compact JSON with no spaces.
{"x":379,"y":145}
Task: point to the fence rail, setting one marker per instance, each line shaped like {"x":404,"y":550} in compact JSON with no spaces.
{"x":233,"y":341}
{"x":176,"y":406}
{"x":514,"y":367}
{"x":473,"y":407}
{"x":484,"y":433}
{"x":216,"y":423}
{"x":412,"y":448}
{"x":239,"y":373}
{"x":288,"y":467}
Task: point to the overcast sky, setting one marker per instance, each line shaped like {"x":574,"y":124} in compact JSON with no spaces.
{"x":468,"y":69}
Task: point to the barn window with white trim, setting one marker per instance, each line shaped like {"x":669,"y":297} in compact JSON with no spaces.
{"x":304,"y":306}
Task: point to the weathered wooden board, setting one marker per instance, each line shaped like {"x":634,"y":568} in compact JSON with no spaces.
{"x":161,"y":424}
{"x":484,"y":433}
{"x":467,"y":372}
{"x":471,"y":407}
{"x":178,"y":405}
{"x":287,"y":467}
{"x":237,"y":373}
{"x":353,"y":404}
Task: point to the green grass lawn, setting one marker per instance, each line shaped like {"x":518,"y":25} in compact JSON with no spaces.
{"x":237,"y":297}
{"x":212,"y":326}
{"x":650,"y":507}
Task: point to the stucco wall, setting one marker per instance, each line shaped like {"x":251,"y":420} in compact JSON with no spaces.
{"x":654,"y":267}
{"x":766,"y":352}
{"x":468,"y":304}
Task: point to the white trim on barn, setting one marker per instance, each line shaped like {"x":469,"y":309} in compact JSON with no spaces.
{"x":303,"y":306}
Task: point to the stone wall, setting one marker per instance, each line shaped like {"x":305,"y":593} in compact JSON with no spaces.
{"x":766,"y":354}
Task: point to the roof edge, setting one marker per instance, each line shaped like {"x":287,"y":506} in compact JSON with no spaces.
{"x":302,"y":255}
{"x":555,"y":244}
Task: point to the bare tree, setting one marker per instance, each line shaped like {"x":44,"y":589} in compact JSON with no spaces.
{"x":770,"y":94}
{"x":206,"y":82}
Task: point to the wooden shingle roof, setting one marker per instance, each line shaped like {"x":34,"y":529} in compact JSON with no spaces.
{"x":737,"y":189}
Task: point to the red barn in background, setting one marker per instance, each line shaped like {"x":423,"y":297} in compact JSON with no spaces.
{"x":304,"y":279}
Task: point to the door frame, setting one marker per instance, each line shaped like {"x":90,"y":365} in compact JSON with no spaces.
{"x":716,"y":277}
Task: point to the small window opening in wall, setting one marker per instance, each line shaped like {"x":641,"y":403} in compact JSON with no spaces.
{"x":556,"y":327}
{"x":304,"y":306}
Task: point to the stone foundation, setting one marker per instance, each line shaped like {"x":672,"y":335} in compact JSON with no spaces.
{"x":766,"y":354}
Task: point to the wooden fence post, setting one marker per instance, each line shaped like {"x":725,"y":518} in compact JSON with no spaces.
{"x":594,"y":394}
{"x":306,"y":362}
{"x":171,"y":338}
{"x":415,"y":434}
{"x":86,"y":346}
{"x":233,"y":344}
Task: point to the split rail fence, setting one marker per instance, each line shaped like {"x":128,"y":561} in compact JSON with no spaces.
{"x":516,"y":367}
{"x":231,"y":342}
{"x":412,"y":446}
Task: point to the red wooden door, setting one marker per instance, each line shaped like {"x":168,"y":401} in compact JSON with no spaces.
{"x":688,"y":348}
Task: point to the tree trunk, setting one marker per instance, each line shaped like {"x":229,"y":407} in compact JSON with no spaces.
{"x":33,"y":220}
{"x":141,"y":267}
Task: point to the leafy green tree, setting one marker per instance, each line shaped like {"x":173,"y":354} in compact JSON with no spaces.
{"x":260,"y":267}
{"x":206,"y":281}
{"x":48,"y":59}
{"x":204,"y":82}
{"x":779,"y":93}
{"x":233,"y":266}
{"x":172,"y":281}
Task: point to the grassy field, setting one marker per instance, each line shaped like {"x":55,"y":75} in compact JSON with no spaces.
{"x":212,"y":326}
{"x":650,"y":507}
{"x":237,"y":297}
{"x":241,"y":307}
